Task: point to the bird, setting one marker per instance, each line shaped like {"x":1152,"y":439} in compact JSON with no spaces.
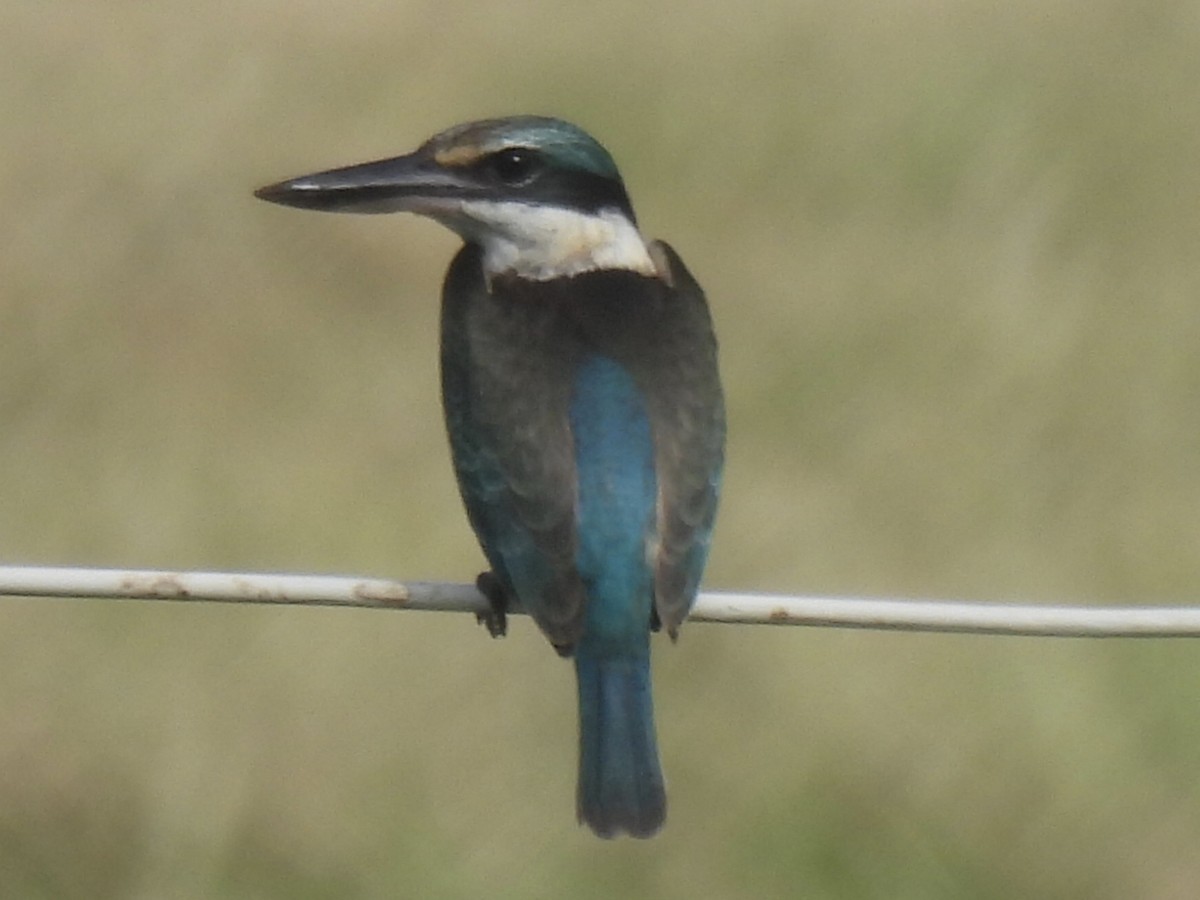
{"x":584,"y":409}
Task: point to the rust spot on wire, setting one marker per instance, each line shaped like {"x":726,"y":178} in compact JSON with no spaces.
{"x":390,"y":592}
{"x":251,"y":591}
{"x":157,"y":585}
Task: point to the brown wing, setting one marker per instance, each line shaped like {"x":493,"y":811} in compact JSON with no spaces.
{"x":505,"y":387}
{"x":687,"y":411}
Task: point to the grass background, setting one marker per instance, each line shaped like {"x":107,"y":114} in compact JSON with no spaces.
{"x":951,"y":248}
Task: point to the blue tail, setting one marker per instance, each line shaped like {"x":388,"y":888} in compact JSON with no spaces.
{"x":620,"y":781}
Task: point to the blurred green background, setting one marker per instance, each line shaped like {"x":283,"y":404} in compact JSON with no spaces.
{"x":951,"y":248}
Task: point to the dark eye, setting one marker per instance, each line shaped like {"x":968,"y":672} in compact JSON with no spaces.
{"x":513,"y":166}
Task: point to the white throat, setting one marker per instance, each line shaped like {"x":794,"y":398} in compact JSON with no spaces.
{"x":545,"y":242}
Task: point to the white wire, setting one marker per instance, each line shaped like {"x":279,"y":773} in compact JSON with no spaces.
{"x":734,"y":608}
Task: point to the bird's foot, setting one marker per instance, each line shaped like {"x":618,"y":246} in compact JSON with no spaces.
{"x":496,"y":617}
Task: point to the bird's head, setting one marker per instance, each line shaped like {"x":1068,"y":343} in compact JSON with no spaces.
{"x":541,"y":196}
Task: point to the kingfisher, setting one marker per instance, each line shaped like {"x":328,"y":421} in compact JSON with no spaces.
{"x":584,"y":410}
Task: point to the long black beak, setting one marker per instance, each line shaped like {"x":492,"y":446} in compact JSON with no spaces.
{"x":399,"y":184}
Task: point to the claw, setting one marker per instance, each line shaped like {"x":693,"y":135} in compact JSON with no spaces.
{"x":496,"y":618}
